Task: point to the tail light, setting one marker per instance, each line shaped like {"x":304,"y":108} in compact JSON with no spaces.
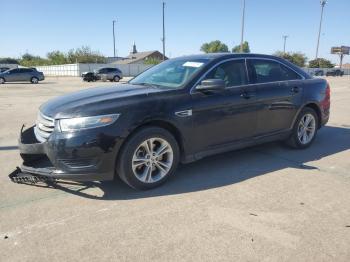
{"x":326,"y":102}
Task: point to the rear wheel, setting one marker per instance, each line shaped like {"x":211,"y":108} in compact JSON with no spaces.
{"x":34,"y":80}
{"x":2,"y":80}
{"x":304,"y":130}
{"x":148,"y":158}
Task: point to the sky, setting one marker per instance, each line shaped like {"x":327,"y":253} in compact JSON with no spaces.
{"x":38,"y":26}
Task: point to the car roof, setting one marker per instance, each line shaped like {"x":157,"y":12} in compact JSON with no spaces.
{"x":212,"y":56}
{"x":215,"y":57}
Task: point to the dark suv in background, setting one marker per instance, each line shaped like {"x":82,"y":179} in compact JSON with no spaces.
{"x":181,"y":110}
{"x":21,"y":75}
{"x":106,"y":73}
{"x":335,"y":72}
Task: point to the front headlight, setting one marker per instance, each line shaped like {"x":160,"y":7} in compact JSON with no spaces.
{"x":74,"y":124}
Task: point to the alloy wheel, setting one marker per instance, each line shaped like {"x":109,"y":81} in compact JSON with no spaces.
{"x":152,"y":160}
{"x":306,"y":129}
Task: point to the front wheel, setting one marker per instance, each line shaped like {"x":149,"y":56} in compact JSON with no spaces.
{"x":2,"y":80}
{"x":148,"y":158}
{"x":304,"y":130}
{"x":116,"y":79}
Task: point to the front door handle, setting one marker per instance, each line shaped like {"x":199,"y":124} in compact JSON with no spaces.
{"x":295,"y":90}
{"x":247,"y":95}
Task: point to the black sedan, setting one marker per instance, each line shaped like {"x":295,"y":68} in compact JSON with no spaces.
{"x":181,"y":110}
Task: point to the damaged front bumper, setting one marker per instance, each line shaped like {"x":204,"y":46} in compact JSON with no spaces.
{"x":84,"y":156}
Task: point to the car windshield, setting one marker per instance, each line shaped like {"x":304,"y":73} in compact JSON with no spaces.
{"x":174,"y":73}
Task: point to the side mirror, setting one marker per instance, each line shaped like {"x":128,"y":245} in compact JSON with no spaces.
{"x":211,"y":84}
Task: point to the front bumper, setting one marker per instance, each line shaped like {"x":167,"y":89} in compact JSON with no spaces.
{"x":88,"y":155}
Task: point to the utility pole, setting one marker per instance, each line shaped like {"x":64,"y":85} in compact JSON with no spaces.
{"x":113,"y":39}
{"x":242,"y":29}
{"x":323,"y":3}
{"x":163,"y":39}
{"x":284,"y":43}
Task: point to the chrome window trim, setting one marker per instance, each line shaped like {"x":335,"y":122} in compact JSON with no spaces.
{"x":193,"y":88}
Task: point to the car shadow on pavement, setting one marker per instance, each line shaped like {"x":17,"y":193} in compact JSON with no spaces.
{"x":224,"y":169}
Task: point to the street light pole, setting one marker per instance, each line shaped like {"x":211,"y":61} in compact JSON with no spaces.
{"x":113,"y":38}
{"x":163,"y":39}
{"x":242,"y":29}
{"x":284,"y":43}
{"x":323,"y":3}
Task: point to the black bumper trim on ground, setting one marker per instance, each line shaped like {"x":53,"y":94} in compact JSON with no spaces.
{"x":19,"y":177}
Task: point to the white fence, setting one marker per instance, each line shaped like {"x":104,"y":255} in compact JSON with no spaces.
{"x":78,"y":69}
{"x":60,"y":70}
{"x":9,"y":65}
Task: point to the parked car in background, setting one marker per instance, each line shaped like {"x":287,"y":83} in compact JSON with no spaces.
{"x":335,"y":72}
{"x":106,"y":73}
{"x":318,"y":72}
{"x":21,"y":75}
{"x":3,"y":69}
{"x":89,"y":76}
{"x":180,"y":110}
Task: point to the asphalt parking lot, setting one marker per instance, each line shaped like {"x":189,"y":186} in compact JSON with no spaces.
{"x":266,"y":203}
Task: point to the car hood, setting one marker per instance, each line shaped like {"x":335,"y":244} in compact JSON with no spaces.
{"x":94,"y":101}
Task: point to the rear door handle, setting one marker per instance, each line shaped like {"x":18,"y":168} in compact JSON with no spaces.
{"x":295,"y":89}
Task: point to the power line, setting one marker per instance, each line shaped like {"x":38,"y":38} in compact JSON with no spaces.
{"x":284,"y":42}
{"x":163,"y":38}
{"x":113,"y":38}
{"x":242,"y":29}
{"x":323,"y":3}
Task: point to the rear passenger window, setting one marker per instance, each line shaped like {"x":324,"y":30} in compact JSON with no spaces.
{"x":232,"y":72}
{"x":26,"y":70}
{"x":263,"y":71}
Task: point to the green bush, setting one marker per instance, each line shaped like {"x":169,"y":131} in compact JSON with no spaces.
{"x":296,"y":58}
{"x":320,"y":63}
{"x":237,"y":48}
{"x":214,"y":47}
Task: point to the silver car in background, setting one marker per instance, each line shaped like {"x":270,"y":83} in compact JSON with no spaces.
{"x":21,"y":75}
{"x":112,"y":74}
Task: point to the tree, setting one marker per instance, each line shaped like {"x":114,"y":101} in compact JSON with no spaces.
{"x":57,"y":58}
{"x":8,"y":60}
{"x":84,"y":54}
{"x":31,"y":60}
{"x":296,"y":58}
{"x":320,"y":63}
{"x":152,"y":61}
{"x":237,"y":48}
{"x":214,"y":47}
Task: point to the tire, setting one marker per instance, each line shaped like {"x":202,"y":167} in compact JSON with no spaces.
{"x":134,"y":162}
{"x":297,"y":139}
{"x":2,"y":80}
{"x":34,"y":80}
{"x":116,"y":79}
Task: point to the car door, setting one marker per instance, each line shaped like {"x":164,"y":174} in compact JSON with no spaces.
{"x":101,"y":73}
{"x":279,"y":94}
{"x":12,"y":75}
{"x":224,"y":116}
{"x":24,"y":74}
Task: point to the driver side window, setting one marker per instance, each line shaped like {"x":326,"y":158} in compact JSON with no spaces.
{"x":232,"y":72}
